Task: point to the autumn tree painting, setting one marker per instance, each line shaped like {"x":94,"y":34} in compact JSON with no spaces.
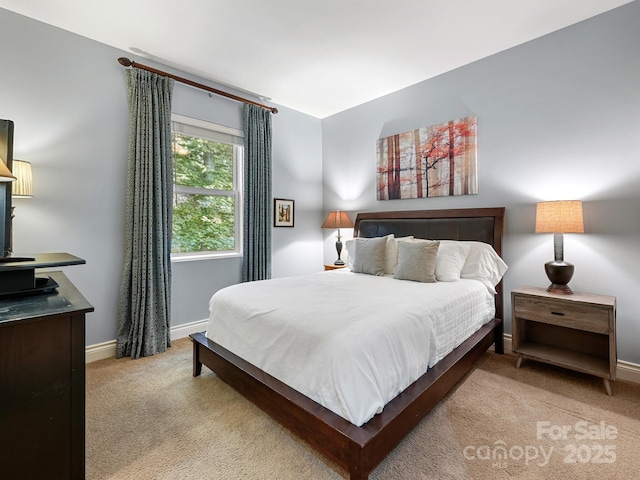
{"x":433,"y":161}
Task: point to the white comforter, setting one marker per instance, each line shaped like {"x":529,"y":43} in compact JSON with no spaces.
{"x":351,"y":342}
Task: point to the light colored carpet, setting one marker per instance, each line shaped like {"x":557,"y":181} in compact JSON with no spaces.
{"x":150,"y":419}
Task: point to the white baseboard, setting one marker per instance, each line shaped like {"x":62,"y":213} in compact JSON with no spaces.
{"x":100,"y":351}
{"x":507,"y":343}
{"x":625,"y":371}
{"x":628,"y":372}
{"x":186,"y":329}
{"x":103,"y":350}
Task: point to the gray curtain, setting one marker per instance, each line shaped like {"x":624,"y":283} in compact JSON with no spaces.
{"x":256,"y":263}
{"x":145,"y":292}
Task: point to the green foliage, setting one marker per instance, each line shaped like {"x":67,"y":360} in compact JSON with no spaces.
{"x":202,"y":163}
{"x":202,"y":222}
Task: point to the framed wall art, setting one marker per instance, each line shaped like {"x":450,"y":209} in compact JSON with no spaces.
{"x":283,"y":212}
{"x":434,"y":161}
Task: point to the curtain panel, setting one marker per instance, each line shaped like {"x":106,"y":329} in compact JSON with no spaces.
{"x":256,"y":263}
{"x":145,"y":292}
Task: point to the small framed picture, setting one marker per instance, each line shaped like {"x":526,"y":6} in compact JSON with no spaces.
{"x":282,"y":212}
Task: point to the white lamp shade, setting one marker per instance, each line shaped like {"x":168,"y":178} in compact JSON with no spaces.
{"x":23,"y":187}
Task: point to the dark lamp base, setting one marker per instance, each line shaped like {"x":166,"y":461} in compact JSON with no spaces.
{"x":561,"y":289}
{"x":559,"y":273}
{"x":339,"y":261}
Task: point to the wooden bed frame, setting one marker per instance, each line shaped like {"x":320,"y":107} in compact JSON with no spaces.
{"x":361,"y":449}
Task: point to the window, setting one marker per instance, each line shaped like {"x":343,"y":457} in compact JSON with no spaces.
{"x":207,"y":189}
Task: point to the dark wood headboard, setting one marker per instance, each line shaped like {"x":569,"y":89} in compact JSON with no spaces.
{"x":480,"y":224}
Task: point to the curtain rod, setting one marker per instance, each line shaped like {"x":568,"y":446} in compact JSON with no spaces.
{"x":130,"y":63}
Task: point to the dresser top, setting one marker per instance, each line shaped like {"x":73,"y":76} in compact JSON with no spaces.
{"x":66,"y":299}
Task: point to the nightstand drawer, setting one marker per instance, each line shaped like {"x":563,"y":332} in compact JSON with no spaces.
{"x":565,"y":314}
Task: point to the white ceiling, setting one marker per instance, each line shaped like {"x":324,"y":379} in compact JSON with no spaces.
{"x":315,"y":56}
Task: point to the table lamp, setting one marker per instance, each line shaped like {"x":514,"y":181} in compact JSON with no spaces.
{"x":22,"y":188}
{"x":559,"y":217}
{"x":338,"y":219}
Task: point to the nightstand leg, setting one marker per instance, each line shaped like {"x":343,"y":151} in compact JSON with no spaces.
{"x":519,"y":361}
{"x":607,"y":386}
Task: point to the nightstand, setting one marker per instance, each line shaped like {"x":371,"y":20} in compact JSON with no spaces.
{"x":331,"y":266}
{"x":572,"y":331}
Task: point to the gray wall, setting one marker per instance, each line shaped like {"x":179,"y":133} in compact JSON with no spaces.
{"x":67,"y":97}
{"x":558,"y":118}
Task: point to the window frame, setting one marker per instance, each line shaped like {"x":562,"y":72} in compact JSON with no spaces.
{"x":234,"y":138}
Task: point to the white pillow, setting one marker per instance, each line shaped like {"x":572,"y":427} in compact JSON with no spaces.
{"x":391,"y":255}
{"x":370,"y":254}
{"x":451,"y":258}
{"x":417,"y":261}
{"x":483,"y":264}
{"x":350,"y":245}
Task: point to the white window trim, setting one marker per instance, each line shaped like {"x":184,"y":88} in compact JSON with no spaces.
{"x":198,"y":256}
{"x":238,"y":154}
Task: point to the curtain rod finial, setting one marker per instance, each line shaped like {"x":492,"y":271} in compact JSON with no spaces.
{"x":125,"y":61}
{"x":274,"y":110}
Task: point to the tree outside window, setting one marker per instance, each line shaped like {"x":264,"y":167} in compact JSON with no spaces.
{"x":205,"y":195}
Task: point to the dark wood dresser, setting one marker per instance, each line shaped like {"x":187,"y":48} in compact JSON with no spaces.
{"x":42,"y":384}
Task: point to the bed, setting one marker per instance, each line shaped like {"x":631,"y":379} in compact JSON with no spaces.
{"x":360,"y":449}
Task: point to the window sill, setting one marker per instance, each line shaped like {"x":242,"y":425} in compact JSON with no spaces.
{"x":205,"y":256}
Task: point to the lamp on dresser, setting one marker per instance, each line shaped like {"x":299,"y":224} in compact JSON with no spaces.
{"x":338,"y":219}
{"x":6,"y":177}
{"x":21,"y":188}
{"x":559,"y":217}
